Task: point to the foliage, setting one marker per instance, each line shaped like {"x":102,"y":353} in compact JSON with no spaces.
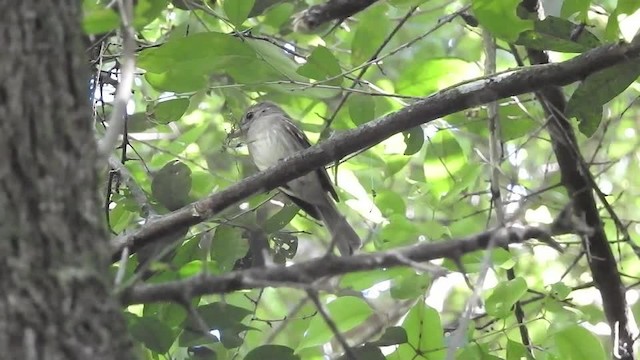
{"x":202,"y":63}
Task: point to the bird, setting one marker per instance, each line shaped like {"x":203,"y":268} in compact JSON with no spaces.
{"x":271,"y":136}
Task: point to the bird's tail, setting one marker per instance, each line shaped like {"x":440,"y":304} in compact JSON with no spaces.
{"x":343,"y":235}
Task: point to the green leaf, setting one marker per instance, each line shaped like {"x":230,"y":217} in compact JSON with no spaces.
{"x":422,"y":78}
{"x":627,"y":6}
{"x":404,"y":3}
{"x":393,"y":335}
{"x":281,"y":219}
{"x":237,"y":10}
{"x":414,"y":139}
{"x":516,"y":351}
{"x":171,"y":185}
{"x":285,"y":246}
{"x":363,"y":280}
{"x":365,"y":352}
{"x":577,"y":343}
{"x":555,"y":34}
{"x":222,"y":316}
{"x":170,"y":110}
{"x":278,"y":15}
{"x":185,"y":64}
{"x":347,"y":312}
{"x":560,"y":291}
{"x":424,"y":334}
{"x":97,"y":19}
{"x":390,"y":203}
{"x":228,"y":246}
{"x":598,"y":89}
{"x":362,"y":109}
{"x":196,"y":267}
{"x":321,"y":65}
{"x":266,"y":352}
{"x":474,"y":261}
{"x":146,"y":11}
{"x":504,"y":296}
{"x":398,"y":232}
{"x":500,"y":18}
{"x":570,"y":7}
{"x":153,"y":333}
{"x":409,"y":286}
{"x":371,"y":31}
{"x":444,"y":159}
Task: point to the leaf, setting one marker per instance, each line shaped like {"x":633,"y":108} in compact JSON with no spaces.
{"x":281,"y":219}
{"x":409,"y":286}
{"x":347,"y":312}
{"x":170,"y":110}
{"x":577,"y":343}
{"x":515,"y":350}
{"x":278,"y":15}
{"x":371,"y":31}
{"x":560,"y":291}
{"x":184,"y":64}
{"x":321,"y":65}
{"x":153,"y":333}
{"x":424,"y":334}
{"x":390,"y":203}
{"x":237,"y":10}
{"x":362,"y":109}
{"x":266,"y":352}
{"x":421,"y":78}
{"x":363,"y":280}
{"x":393,"y":335}
{"x":146,"y":11}
{"x":365,"y":352}
{"x":285,"y":246}
{"x":555,"y":34}
{"x":414,"y":139}
{"x":221,"y":316}
{"x":500,"y":18}
{"x":504,"y":296}
{"x":228,"y":246}
{"x":444,"y":159}
{"x":97,"y":18}
{"x":171,"y":185}
{"x":598,"y":89}
{"x":398,"y":232}
{"x":570,"y":7}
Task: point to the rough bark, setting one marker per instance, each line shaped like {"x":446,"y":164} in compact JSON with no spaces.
{"x":55,"y":298}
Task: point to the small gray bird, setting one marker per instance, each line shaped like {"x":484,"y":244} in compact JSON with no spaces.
{"x":271,"y":137}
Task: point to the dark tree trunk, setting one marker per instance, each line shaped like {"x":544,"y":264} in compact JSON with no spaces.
{"x":55,"y":297}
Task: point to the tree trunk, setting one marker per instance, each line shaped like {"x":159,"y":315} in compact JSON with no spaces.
{"x":55,"y":296}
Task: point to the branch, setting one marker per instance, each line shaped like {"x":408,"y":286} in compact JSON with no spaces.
{"x":303,"y":274}
{"x":577,"y":179}
{"x":451,"y":100}
{"x":317,"y":15}
{"x":123,"y":93}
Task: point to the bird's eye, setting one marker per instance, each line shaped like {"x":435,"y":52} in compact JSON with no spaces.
{"x":249,"y":116}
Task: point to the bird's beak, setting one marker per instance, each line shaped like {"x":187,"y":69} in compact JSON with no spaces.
{"x":235,"y":133}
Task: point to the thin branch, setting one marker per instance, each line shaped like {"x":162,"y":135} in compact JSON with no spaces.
{"x":301,"y":274}
{"x":313,"y":295}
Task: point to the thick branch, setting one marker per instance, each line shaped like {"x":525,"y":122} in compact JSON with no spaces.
{"x":317,"y":15}
{"x":445,"y":102}
{"x":303,"y":274}
{"x":579,"y":183}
